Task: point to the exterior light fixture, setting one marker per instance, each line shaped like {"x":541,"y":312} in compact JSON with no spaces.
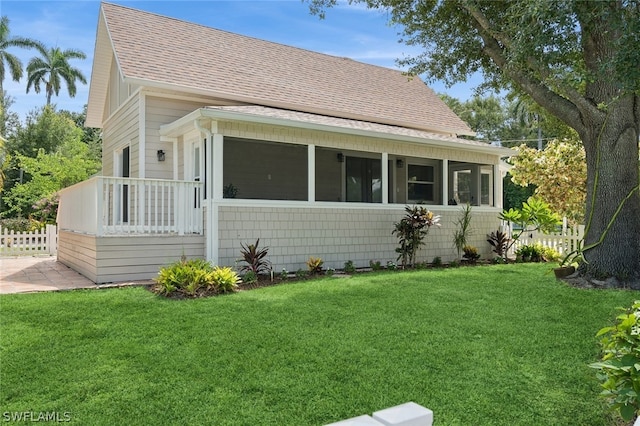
{"x":340,"y":157}
{"x":160,"y":154}
{"x":399,"y":163}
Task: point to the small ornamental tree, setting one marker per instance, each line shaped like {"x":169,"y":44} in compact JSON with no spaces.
{"x":411,"y":231}
{"x":535,"y":215}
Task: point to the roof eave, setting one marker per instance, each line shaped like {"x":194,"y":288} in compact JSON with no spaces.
{"x":175,"y":128}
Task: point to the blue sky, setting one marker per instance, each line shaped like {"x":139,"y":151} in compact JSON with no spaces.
{"x":349,"y":31}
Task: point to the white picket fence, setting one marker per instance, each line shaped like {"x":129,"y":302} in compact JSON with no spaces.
{"x":566,"y":240}
{"x":43,"y":241}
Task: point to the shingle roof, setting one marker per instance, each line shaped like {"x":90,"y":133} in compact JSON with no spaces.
{"x":154,"y":50}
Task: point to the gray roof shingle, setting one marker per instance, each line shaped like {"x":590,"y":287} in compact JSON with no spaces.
{"x":154,"y":50}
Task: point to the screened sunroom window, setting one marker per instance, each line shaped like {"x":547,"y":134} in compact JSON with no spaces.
{"x":421,"y":183}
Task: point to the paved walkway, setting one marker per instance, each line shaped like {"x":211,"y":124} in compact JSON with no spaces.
{"x":42,"y":273}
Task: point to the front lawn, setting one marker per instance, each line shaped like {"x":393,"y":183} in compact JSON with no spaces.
{"x":489,"y":345}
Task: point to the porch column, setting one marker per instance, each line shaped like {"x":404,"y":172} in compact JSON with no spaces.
{"x":385,"y":178}
{"x":311,"y":173}
{"x":475,"y":185}
{"x":215,"y":170}
{"x":445,"y":182}
{"x":497,"y":186}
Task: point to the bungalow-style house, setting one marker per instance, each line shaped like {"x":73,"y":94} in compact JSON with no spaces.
{"x":213,"y":139}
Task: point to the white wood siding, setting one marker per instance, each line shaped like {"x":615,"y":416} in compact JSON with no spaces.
{"x":121,"y":128}
{"x":161,"y":111}
{"x":114,"y":259}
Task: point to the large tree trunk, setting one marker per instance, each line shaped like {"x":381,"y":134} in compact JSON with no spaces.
{"x":612,"y":241}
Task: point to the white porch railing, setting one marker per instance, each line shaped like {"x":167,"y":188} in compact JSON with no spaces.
{"x":42,"y":241}
{"x":120,"y":206}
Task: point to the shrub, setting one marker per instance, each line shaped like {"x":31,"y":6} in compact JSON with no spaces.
{"x":437,"y":262}
{"x":255,"y":258}
{"x":391,"y":265}
{"x":315,"y":265}
{"x":250,"y":277}
{"x":530,"y":253}
{"x":470,"y":253}
{"x":185,"y":276}
{"x":619,"y":370}
{"x":453,"y":264}
{"x":411,"y":232}
{"x":550,"y":255}
{"x":349,"y":268}
{"x":21,"y":225}
{"x":284,"y":274}
{"x":500,"y":242}
{"x":45,"y":210}
{"x":376,"y":266}
{"x":330,"y":272}
{"x":301,"y":274}
{"x":225,"y":279}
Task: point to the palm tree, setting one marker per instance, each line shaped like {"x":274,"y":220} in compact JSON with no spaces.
{"x":15,"y":66}
{"x":53,"y":67}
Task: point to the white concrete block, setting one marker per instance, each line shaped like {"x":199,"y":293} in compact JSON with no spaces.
{"x":408,"y":414}
{"x":358,"y":421}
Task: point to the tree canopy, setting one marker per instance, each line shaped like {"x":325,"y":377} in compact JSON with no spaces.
{"x":12,"y":61}
{"x":52,"y":68}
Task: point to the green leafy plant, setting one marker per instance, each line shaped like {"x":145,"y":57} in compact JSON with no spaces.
{"x":302,"y":274}
{"x":411,"y":232}
{"x":535,"y":215}
{"x":375,"y":266}
{"x":225,"y":279}
{"x":471,"y":254}
{"x":330,"y":271}
{"x":619,"y":370}
{"x":530,"y":253}
{"x":454,"y":264}
{"x":315,"y":265}
{"x":250,"y":277}
{"x":463,"y":230}
{"x":255,"y":258}
{"x":391,"y":265}
{"x":21,"y":225}
{"x":349,"y":267}
{"x":437,"y":262}
{"x":284,"y":274}
{"x":500,"y":242}
{"x":185,"y":276}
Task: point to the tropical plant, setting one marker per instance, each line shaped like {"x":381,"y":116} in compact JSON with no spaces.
{"x":349,"y":267}
{"x":6,"y":41}
{"x":315,"y":265}
{"x":471,"y":254}
{"x":185,"y":276}
{"x":575,"y":60}
{"x":51,"y":68}
{"x":619,"y":369}
{"x":500,"y":242}
{"x":535,"y":215}
{"x":411,"y":232}
{"x":255,"y":258}
{"x":463,"y":230}
{"x":224,"y":279}
{"x":437,"y":262}
{"x":375,"y":265}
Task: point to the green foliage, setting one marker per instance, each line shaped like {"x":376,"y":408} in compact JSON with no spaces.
{"x":250,"y":277}
{"x":437,"y":262}
{"x":376,"y":266}
{"x":454,"y":264}
{"x":21,"y":224}
{"x":558,"y":173}
{"x":619,"y":370}
{"x":52,"y":68}
{"x":514,"y":195}
{"x":48,"y":173}
{"x":224,"y":279}
{"x":529,"y":253}
{"x":284,"y":274}
{"x":329,"y":272}
{"x":349,"y":267}
{"x":411,"y":232}
{"x":301,"y":274}
{"x":45,"y":209}
{"x":193,"y":277}
{"x":255,"y":258}
{"x":391,"y":265}
{"x":535,"y":215}
{"x":185,"y":276}
{"x":229,"y":191}
{"x":500,"y":242}
{"x":315,"y":265}
{"x":471,"y":254}
{"x":463,"y":228}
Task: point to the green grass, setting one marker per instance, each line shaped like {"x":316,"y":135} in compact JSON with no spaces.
{"x":490,"y":345}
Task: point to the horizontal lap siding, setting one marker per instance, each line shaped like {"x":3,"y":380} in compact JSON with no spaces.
{"x":113,"y":259}
{"x":337,"y":234}
{"x":121,"y":129}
